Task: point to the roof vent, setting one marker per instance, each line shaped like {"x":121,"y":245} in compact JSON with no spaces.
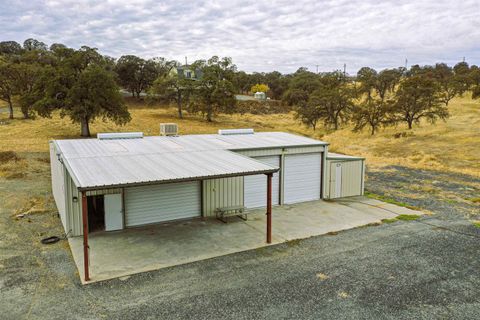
{"x":119,"y":135}
{"x":168,"y":129}
{"x":226,"y":132}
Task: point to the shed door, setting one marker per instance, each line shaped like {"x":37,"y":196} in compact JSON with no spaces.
{"x":163,"y":202}
{"x":346,"y":178}
{"x":302,"y":177}
{"x":113,"y":212}
{"x":255,"y":187}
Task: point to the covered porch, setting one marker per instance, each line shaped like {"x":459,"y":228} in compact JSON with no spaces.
{"x":135,"y":250}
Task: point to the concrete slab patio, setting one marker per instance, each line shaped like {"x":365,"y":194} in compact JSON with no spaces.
{"x":135,"y":250}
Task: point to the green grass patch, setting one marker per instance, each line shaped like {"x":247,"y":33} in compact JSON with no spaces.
{"x":402,"y":217}
{"x":392,"y":220}
{"x":389,"y":200}
{"x":294,"y":242}
{"x":408,"y":217}
{"x":476,"y":224}
{"x":474,"y":200}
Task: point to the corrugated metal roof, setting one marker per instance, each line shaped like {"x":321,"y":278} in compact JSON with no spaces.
{"x":164,"y":144}
{"x":95,"y":163}
{"x":123,"y":170}
{"x":338,"y":156}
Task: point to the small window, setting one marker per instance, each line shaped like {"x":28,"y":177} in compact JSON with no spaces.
{"x":189,"y":74}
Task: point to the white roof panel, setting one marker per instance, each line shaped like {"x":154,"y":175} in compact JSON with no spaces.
{"x":95,"y":163}
{"x":124,"y":170}
{"x":338,"y":156}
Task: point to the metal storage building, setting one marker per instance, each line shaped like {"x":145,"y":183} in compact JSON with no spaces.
{"x":145,"y":177}
{"x":119,"y":181}
{"x":345,"y":176}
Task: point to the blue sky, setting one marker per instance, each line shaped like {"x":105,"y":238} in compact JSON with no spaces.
{"x":258,"y":35}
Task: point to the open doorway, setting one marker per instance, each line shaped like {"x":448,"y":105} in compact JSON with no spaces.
{"x":96,"y":213}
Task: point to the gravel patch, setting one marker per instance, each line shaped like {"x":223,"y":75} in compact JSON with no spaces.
{"x":446,"y":194}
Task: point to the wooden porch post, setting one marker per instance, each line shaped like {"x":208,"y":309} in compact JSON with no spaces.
{"x":85,"y":235}
{"x":269,"y":207}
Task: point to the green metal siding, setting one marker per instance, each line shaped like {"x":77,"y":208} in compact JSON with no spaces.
{"x":279,"y":151}
{"x":352,"y":179}
{"x":218,"y":193}
{"x":74,"y":209}
{"x":58,"y":184}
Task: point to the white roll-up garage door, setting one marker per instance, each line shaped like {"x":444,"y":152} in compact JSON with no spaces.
{"x":255,"y":187}
{"x":302,"y":177}
{"x":163,"y":202}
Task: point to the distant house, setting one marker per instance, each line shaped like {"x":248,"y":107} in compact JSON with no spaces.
{"x":185,"y":72}
{"x":260,"y":95}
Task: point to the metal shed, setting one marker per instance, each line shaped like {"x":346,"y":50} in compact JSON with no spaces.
{"x":203,"y":171}
{"x":119,"y":181}
{"x":345,"y":176}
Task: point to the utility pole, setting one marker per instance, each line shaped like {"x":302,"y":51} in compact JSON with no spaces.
{"x":317,"y":67}
{"x":344,"y":70}
{"x":186,"y":62}
{"x":406,"y":63}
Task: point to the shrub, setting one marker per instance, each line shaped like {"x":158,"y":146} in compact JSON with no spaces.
{"x":262,"y":107}
{"x":6,"y":156}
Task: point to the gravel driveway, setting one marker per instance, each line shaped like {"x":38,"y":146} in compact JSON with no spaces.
{"x":420,"y":269}
{"x":450,"y":195}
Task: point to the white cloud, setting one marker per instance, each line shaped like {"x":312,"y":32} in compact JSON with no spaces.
{"x":258,"y":35}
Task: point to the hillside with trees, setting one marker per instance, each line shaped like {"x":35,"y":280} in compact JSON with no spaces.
{"x":84,"y":85}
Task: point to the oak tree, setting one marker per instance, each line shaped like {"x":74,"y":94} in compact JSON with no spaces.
{"x":372,"y":113}
{"x":214,"y":92}
{"x":416,"y":98}
{"x":8,"y":87}
{"x":173,"y":88}
{"x":450,"y":85}
{"x":136,"y":74}
{"x":330,"y":102}
{"x":81,"y":88}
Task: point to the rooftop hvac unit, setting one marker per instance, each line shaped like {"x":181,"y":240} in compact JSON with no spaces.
{"x":168,"y":129}
{"x":225,"y":132}
{"x":119,"y":135}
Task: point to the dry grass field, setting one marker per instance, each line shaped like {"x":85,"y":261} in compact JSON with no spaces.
{"x":453,"y":145}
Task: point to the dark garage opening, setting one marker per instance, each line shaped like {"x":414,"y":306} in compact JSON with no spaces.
{"x":96,"y":213}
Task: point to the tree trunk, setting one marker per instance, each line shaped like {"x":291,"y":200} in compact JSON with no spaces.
{"x":85,"y":127}
{"x":373,"y":130}
{"x":410,"y":122}
{"x":209,"y":114}
{"x":10,"y":109}
{"x":26,"y":114}
{"x":179,"y":106}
